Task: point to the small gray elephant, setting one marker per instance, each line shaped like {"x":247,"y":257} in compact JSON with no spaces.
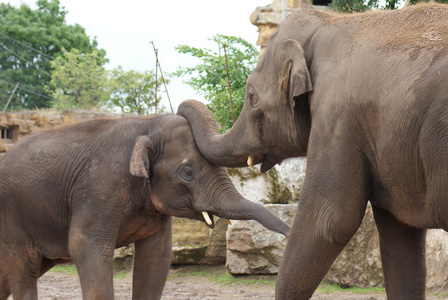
{"x":78,"y":192}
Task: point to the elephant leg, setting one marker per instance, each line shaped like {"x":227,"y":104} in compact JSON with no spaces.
{"x":5,"y":290}
{"x":330,"y":211}
{"x":152,"y":262}
{"x":402,"y":255}
{"x":91,"y":248}
{"x":22,"y":277}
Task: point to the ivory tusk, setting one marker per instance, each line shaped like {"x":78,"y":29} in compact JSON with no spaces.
{"x":229,"y":221}
{"x":250,"y":160}
{"x":207,"y":218}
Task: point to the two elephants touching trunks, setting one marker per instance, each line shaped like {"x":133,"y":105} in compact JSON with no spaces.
{"x":78,"y":192}
{"x":365,"y":98}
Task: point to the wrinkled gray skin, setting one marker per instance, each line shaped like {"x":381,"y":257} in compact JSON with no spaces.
{"x":79,"y":192}
{"x":365,"y":97}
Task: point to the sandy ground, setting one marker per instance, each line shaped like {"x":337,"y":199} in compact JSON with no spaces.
{"x":183,"y":284}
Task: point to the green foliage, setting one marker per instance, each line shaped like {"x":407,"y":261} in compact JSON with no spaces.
{"x":362,"y":5}
{"x":210,"y":76}
{"x":352,"y":5}
{"x":78,"y":80}
{"x":29,"y":40}
{"x":134,"y":92}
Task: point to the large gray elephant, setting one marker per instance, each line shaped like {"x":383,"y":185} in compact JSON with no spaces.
{"x":365,"y":97}
{"x":78,"y":192}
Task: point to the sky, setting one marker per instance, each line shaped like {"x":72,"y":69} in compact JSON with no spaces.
{"x":126,"y":28}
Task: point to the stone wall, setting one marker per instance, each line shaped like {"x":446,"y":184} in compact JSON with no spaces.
{"x":267,"y":18}
{"x":17,"y":125}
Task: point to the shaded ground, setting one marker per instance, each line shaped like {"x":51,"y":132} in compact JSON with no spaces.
{"x":191,"y":283}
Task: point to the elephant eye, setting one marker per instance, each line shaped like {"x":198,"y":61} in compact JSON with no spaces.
{"x":253,"y":100}
{"x":187,"y":173}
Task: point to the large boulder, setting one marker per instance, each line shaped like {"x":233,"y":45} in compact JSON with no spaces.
{"x":253,"y":249}
{"x":437,"y":260}
{"x":195,"y":243}
{"x":359,"y":264}
{"x":280,"y":185}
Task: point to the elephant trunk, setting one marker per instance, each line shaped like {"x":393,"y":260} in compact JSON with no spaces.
{"x":248,"y":210}
{"x":228,"y":203}
{"x":231,"y":149}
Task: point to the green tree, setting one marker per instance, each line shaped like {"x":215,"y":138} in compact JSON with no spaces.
{"x":29,"y":40}
{"x":209,"y":78}
{"x":363,"y":5}
{"x":78,"y":80}
{"x":353,"y":5}
{"x":134,"y":92}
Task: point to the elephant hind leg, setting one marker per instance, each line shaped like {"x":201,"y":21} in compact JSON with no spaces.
{"x":402,"y":255}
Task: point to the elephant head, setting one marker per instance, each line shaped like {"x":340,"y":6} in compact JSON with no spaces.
{"x":184,"y":184}
{"x":275,"y":121}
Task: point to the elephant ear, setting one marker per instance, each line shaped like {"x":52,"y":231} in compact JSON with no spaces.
{"x":144,"y":150}
{"x":296,"y":77}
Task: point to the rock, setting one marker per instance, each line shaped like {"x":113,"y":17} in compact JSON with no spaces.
{"x":359,"y":264}
{"x":195,"y":243}
{"x":253,"y":249}
{"x":437,"y":260}
{"x":124,"y":258}
{"x":282,"y":184}
{"x":73,"y":116}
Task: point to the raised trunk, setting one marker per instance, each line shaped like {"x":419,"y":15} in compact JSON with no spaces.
{"x":230,"y":149}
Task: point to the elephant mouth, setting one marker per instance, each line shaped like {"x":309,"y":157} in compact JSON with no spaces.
{"x":267,"y":162}
{"x":208,"y":219}
{"x":266,"y":165}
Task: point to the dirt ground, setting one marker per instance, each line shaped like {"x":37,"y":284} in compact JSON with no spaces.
{"x":186,"y":284}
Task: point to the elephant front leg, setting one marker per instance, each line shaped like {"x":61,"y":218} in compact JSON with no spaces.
{"x":92,"y":254}
{"x":402,"y":256}
{"x":310,"y":254}
{"x":19,"y":272}
{"x":5,"y":290}
{"x":152,"y":262}
{"x":330,"y":211}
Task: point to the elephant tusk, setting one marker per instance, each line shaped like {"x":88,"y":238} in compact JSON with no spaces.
{"x":207,"y":218}
{"x":250,"y":160}
{"x":229,"y":221}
